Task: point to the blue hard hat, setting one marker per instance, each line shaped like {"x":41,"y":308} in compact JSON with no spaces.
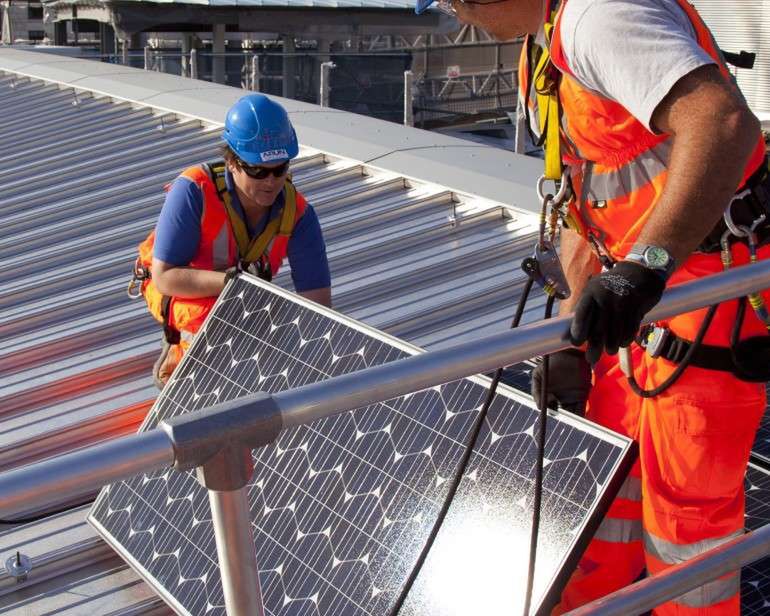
{"x":258,"y":130}
{"x":421,"y":5}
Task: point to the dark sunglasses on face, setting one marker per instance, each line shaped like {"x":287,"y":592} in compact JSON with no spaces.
{"x":260,"y":173}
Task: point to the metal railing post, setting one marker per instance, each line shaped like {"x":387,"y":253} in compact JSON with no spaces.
{"x":124,"y":51}
{"x":147,"y":57}
{"x":323,"y":95}
{"x":679,"y":579}
{"x":255,"y":76}
{"x":408,"y":98}
{"x":193,"y":63}
{"x":231,"y":518}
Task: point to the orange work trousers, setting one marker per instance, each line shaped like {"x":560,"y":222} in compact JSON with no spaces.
{"x":685,"y":493}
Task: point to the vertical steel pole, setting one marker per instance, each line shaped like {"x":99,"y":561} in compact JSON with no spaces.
{"x":408,"y":97}
{"x":235,"y":548}
{"x":193,"y":63}
{"x":255,"y":73}
{"x":147,"y":57}
{"x":323,"y":95}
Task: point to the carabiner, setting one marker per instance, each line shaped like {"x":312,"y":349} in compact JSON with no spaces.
{"x":134,"y":291}
{"x":561,"y":186}
{"x":728,"y":215}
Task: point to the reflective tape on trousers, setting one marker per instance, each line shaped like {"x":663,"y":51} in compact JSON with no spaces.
{"x":712,"y":593}
{"x":630,"y":177}
{"x":618,"y":530}
{"x":631,"y":489}
{"x":673,"y":553}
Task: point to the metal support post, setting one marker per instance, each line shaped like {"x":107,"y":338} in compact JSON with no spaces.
{"x":289,"y":67}
{"x":325,"y":89}
{"x":218,"y":54}
{"x":193,"y":63}
{"x":231,"y":518}
{"x":679,"y":579}
{"x":520,"y":119}
{"x":255,"y":76}
{"x":408,"y":98}
{"x":147,"y":60}
{"x":125,"y":52}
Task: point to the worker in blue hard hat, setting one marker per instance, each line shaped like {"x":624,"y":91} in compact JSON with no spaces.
{"x":239,"y":213}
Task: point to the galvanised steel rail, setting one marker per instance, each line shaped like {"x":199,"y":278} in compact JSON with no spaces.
{"x":672,"y":583}
{"x":218,"y":441}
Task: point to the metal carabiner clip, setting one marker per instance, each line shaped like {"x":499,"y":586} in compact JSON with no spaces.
{"x":561,"y":186}
{"x":736,"y":230}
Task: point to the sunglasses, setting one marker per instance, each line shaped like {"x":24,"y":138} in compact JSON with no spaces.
{"x":447,"y":6}
{"x":260,"y":173}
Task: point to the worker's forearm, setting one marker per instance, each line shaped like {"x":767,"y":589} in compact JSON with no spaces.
{"x":189,"y":283}
{"x":713,"y":136}
{"x":579,"y":263}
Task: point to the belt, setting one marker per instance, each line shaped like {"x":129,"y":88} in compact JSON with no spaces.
{"x":745,"y":209}
{"x":662,"y":342}
{"x":749,"y":361}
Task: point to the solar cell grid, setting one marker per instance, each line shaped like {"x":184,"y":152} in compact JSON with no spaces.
{"x":342,"y":507}
{"x":755,"y":578}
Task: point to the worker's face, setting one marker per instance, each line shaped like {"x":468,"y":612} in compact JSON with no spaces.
{"x":502,"y":19}
{"x":259,"y":184}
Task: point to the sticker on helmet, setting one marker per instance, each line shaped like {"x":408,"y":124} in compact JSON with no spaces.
{"x":279,"y":154}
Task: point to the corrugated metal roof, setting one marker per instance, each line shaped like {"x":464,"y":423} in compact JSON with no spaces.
{"x":743,"y":26}
{"x":84,"y":175}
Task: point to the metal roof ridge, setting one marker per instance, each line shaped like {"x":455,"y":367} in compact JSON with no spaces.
{"x":459,"y":165}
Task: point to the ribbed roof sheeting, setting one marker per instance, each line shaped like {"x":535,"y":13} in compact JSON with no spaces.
{"x":83,"y":184}
{"x":744,"y":26}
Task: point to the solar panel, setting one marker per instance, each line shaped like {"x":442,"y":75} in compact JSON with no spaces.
{"x":755,"y":578}
{"x":762,"y":441}
{"x":342,"y":507}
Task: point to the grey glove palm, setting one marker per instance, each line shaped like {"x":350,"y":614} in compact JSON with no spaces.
{"x":569,"y":381}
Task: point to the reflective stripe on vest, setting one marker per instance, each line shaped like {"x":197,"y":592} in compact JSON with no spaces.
{"x":626,"y":164}
{"x":217,"y":247}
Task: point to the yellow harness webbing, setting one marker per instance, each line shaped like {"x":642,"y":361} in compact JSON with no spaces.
{"x":252,"y":250}
{"x":546,"y":85}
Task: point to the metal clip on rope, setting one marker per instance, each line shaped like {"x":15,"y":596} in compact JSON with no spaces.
{"x":560,"y":186}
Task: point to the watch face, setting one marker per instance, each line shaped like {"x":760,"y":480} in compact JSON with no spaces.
{"x":657,"y":257}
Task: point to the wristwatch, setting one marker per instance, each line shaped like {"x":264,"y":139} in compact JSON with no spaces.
{"x":652,"y":257}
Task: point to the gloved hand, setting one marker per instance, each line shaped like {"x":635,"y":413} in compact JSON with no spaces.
{"x":569,"y":381}
{"x":612,"y":305}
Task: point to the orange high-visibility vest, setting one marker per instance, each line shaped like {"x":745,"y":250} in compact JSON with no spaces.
{"x":618,"y":167}
{"x":217,"y":250}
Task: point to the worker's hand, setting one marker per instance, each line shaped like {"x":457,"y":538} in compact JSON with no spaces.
{"x":612,"y":305}
{"x":569,"y":381}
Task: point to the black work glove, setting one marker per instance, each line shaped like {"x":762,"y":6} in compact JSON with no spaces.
{"x":569,"y":381}
{"x":612,"y":305}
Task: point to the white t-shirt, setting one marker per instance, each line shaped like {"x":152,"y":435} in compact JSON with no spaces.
{"x":630,"y":51}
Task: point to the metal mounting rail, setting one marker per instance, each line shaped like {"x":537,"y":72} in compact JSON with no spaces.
{"x":217,"y":442}
{"x":674,"y":582}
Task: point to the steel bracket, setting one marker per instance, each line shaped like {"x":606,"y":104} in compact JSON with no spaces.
{"x":218,"y":441}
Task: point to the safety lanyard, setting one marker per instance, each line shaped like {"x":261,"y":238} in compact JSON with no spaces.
{"x":544,"y":77}
{"x":251,"y":250}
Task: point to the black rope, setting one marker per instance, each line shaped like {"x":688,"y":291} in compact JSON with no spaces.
{"x":679,"y":370}
{"x":455,"y":484}
{"x":539,"y":464}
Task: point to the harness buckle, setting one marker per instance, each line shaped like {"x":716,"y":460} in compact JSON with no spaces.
{"x":138,"y":275}
{"x":654,"y":339}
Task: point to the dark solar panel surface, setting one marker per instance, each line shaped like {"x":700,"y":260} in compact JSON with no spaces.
{"x":755,"y":579}
{"x":342,"y":507}
{"x":762,"y":441}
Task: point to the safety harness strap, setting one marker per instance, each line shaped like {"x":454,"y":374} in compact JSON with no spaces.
{"x":171,"y":334}
{"x":252,"y":250}
{"x":710,"y":357}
